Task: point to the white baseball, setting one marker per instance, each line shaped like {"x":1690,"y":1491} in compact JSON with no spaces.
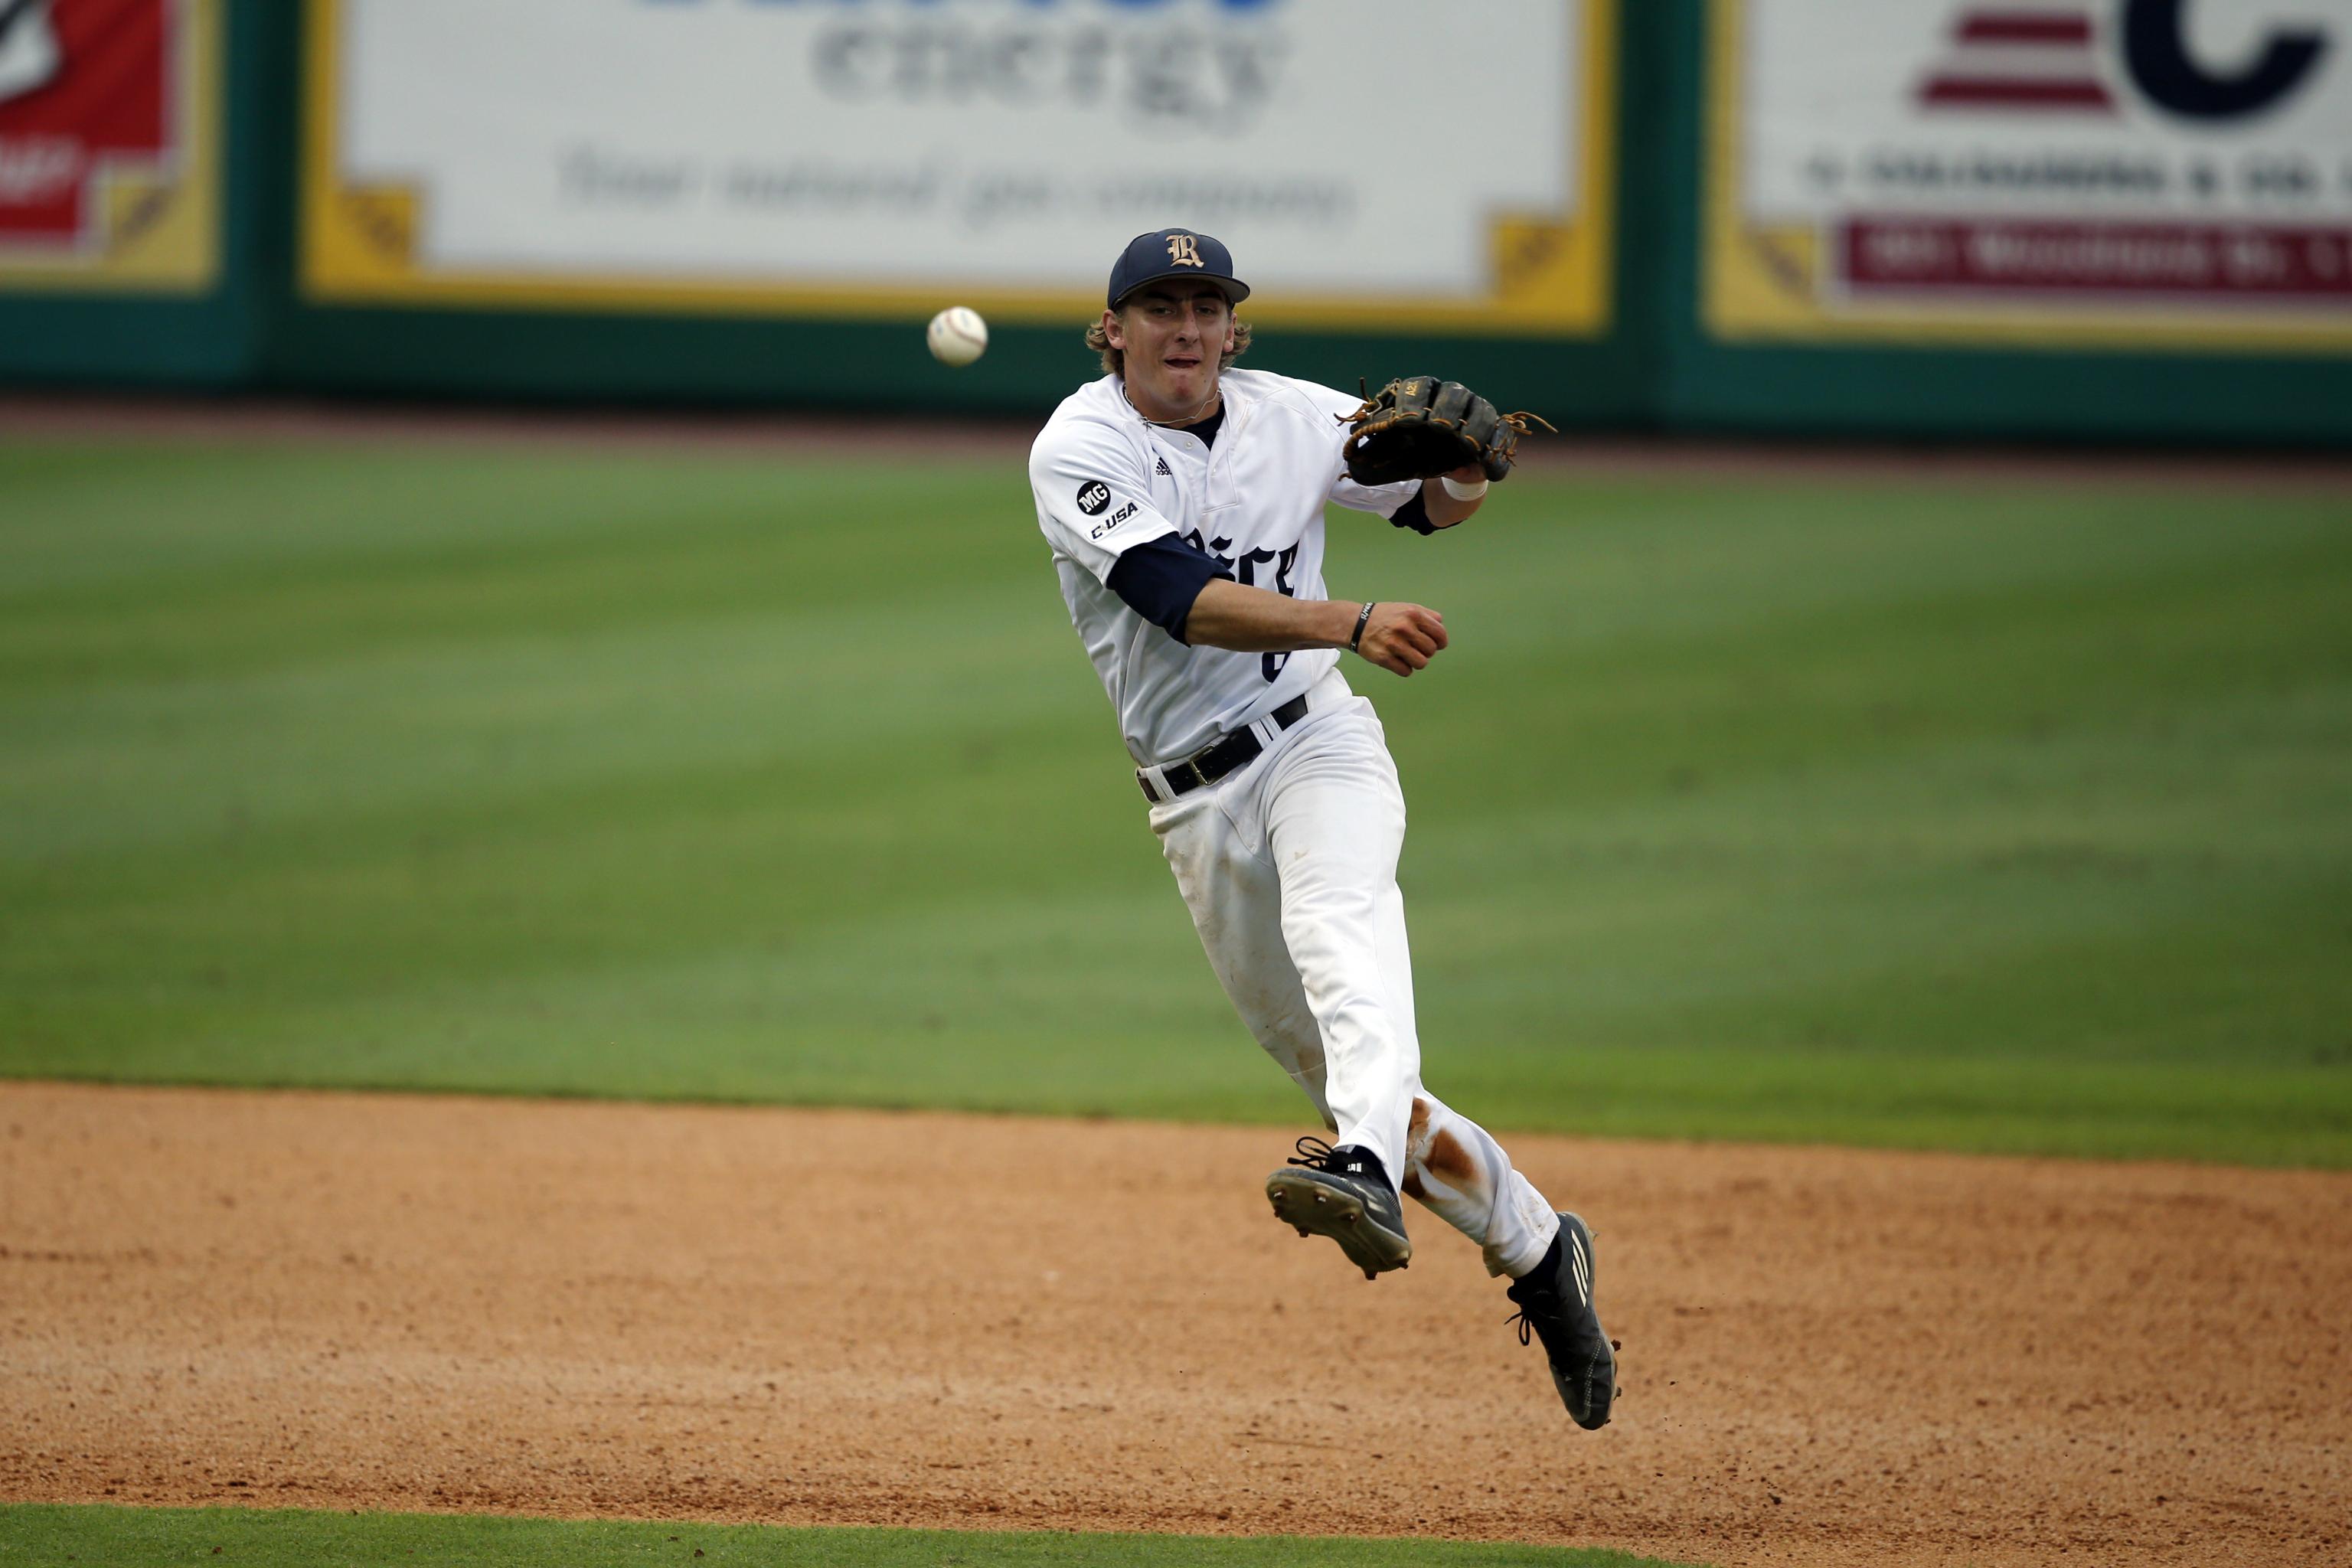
{"x":957,"y":335}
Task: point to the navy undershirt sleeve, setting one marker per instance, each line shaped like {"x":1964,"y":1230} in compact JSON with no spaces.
{"x":1415,"y":516}
{"x":1160,"y":578}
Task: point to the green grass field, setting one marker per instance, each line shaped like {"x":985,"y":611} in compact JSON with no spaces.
{"x":1982,"y":816}
{"x":45,"y":1537}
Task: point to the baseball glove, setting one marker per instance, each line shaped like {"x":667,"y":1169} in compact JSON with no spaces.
{"x":1419,"y":427}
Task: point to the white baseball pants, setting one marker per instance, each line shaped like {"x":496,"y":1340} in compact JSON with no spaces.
{"x":1289,"y":869}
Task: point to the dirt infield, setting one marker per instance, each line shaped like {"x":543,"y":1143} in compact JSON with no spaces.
{"x":1831,"y":1357}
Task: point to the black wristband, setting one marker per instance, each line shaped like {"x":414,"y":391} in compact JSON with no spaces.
{"x":1363,"y":618}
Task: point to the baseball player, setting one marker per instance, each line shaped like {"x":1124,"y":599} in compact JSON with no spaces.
{"x":1183,"y":502}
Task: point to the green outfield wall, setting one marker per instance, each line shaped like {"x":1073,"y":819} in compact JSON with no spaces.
{"x":1722,"y":216}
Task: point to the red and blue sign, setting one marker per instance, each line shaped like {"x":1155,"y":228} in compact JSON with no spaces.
{"x":86,"y":87}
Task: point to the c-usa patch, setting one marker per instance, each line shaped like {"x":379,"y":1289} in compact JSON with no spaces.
{"x":1093,"y":496}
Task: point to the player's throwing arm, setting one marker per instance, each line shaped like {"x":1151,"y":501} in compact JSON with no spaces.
{"x":1398,"y":637}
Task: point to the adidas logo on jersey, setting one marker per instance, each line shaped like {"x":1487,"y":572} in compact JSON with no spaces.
{"x":1160,"y":465}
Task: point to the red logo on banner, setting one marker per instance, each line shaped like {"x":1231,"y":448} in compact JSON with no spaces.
{"x":2042,"y":59}
{"x":85,"y":86}
{"x":2020,"y":60}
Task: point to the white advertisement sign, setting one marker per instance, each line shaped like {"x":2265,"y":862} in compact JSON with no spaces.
{"x":2121,"y":170}
{"x":861,"y":153}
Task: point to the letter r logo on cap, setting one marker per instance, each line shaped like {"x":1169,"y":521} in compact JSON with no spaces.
{"x":1184,"y":250}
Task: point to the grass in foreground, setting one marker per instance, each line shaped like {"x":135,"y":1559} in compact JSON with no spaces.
{"x":50,"y":1536}
{"x":2002,"y":819}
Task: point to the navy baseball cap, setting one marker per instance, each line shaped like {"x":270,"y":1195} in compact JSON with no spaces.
{"x":1170,"y":253}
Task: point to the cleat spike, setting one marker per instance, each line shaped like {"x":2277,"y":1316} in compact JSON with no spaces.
{"x":1370,"y":1274}
{"x":1302,"y":1232}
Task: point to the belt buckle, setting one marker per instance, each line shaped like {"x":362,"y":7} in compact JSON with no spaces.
{"x":1192,"y":765}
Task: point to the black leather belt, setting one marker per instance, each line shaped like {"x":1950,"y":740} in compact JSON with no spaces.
{"x":1214,"y":761}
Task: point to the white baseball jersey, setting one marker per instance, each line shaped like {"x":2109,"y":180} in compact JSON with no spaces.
{"x":1107,"y":481}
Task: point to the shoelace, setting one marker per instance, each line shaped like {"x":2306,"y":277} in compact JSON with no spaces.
{"x":1547,"y":1301}
{"x":1316,"y":1154}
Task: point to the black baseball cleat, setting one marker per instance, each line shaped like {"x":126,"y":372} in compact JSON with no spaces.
{"x":1555,"y":1301}
{"x":1343,"y":1193}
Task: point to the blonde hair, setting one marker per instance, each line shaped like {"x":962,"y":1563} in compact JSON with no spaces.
{"x":1114,"y":360}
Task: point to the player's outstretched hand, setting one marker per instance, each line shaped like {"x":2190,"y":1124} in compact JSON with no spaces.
{"x":1401,"y":638}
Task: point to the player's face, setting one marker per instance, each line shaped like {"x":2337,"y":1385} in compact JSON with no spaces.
{"x":1172,"y":335}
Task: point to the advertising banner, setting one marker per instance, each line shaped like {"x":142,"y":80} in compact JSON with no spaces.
{"x":2126,"y":174}
{"x":883,"y":157}
{"x":109,"y":145}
